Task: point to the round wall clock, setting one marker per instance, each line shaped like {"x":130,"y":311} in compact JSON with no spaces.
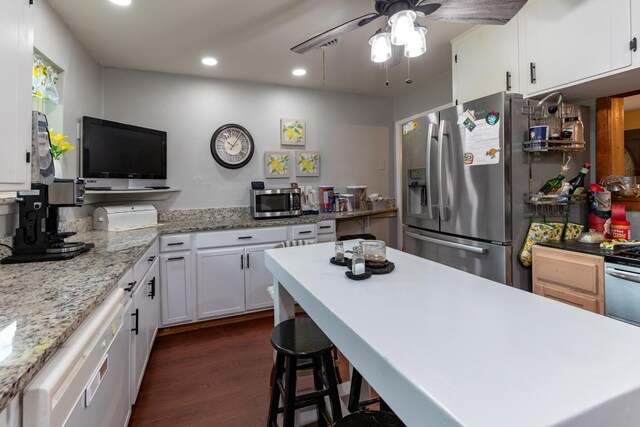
{"x":232,"y":146}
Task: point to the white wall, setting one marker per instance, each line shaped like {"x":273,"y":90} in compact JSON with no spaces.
{"x":82,"y":90}
{"x":352,"y":132}
{"x":424,"y":97}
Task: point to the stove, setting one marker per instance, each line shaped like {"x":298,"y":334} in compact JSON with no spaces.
{"x":627,"y":256}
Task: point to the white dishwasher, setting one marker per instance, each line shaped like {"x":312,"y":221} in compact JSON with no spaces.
{"x":86,"y":382}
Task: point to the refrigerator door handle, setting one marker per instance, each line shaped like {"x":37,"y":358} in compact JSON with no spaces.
{"x":441,"y":190}
{"x":453,"y":245}
{"x":430,"y":131}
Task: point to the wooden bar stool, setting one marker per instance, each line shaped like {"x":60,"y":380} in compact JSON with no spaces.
{"x":300,"y":344}
{"x":370,"y":418}
{"x":355,"y":404}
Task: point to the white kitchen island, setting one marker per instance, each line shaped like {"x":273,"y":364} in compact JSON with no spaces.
{"x":446,"y":348}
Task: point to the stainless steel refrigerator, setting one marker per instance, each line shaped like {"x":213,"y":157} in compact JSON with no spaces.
{"x":465,"y":176}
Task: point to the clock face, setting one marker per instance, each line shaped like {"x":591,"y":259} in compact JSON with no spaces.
{"x":232,"y":146}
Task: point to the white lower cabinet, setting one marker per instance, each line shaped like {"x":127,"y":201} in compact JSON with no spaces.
{"x":257,"y":279}
{"x":177,"y":288}
{"x":11,"y":416}
{"x":220,"y":282}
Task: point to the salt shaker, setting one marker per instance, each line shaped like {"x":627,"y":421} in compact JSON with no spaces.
{"x":357,"y":261}
{"x":339,"y":252}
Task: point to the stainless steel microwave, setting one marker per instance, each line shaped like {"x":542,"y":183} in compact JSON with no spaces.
{"x":277,"y":202}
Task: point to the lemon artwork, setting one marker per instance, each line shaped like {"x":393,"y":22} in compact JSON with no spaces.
{"x":308,"y":163}
{"x":278,"y":164}
{"x":293,"y":131}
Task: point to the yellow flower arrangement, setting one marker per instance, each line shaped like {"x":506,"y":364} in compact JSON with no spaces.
{"x":59,"y":144}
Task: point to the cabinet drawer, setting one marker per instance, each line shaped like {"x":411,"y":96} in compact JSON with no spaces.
{"x":145,"y":262}
{"x":245,"y":237}
{"x":575,"y":299}
{"x":327,"y":227}
{"x":582,"y":272}
{"x":306,"y":231}
{"x":175,"y":242}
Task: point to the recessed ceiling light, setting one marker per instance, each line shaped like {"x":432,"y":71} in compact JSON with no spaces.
{"x":209,"y":61}
{"x":121,"y":2}
{"x":299,"y":72}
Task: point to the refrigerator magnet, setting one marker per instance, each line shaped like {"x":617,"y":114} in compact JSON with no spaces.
{"x":492,"y":118}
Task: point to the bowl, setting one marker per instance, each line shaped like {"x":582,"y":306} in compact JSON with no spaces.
{"x":628,"y":191}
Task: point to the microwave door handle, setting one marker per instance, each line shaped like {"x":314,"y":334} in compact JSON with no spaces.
{"x":427,"y":189}
{"x":290,"y":201}
{"x":624,"y":276}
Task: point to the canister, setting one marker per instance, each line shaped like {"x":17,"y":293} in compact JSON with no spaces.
{"x":326,"y":197}
{"x":620,"y":230}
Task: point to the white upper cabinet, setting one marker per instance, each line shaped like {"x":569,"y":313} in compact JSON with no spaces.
{"x":564,"y":42}
{"x":16,"y":51}
{"x":485,"y":61}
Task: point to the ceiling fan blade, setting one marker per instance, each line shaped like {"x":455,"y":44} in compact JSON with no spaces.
{"x":427,"y":9}
{"x":334,"y":33}
{"x":493,"y":12}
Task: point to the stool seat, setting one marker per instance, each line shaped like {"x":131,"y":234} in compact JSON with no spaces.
{"x":300,"y":337}
{"x":370,"y":418}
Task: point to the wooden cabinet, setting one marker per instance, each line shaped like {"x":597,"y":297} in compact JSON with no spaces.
{"x":177,"y":288}
{"x":570,"y":277}
{"x":152,"y":316}
{"x":220,"y":282}
{"x":16,"y":51}
{"x":485,"y":61}
{"x":564,"y":42}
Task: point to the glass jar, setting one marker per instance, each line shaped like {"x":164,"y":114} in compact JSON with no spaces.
{"x":374,"y":251}
{"x":339,"y":252}
{"x":357,"y":261}
{"x":573,"y":129}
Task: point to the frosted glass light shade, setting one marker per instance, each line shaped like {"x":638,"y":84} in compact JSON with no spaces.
{"x":417,"y":44}
{"x":402,"y":26}
{"x":380,"y":47}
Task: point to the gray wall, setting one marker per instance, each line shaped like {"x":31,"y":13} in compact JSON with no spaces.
{"x":423,"y":97}
{"x":352,"y":132}
{"x":82,"y":86}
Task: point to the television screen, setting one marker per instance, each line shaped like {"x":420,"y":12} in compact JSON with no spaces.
{"x":118,"y":150}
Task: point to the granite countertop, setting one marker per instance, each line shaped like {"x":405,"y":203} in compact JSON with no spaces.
{"x":47,"y":301}
{"x":585,"y":248}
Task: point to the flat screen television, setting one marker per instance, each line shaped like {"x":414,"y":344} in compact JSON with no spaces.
{"x":118,"y":150}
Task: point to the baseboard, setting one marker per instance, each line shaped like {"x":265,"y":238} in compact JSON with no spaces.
{"x":215,"y":322}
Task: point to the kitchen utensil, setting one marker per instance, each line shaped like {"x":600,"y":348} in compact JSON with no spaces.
{"x":628,"y":191}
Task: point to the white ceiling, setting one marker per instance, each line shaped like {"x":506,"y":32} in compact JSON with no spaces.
{"x":251,"y":40}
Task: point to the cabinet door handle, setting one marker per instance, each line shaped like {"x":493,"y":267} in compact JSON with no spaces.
{"x":532,"y":69}
{"x":325,"y":226}
{"x":305,"y":232}
{"x":130,"y":286}
{"x":241,"y":262}
{"x":151,"y":258}
{"x":247,"y":261}
{"x":175,"y":244}
{"x":136,"y":314}
{"x":175,"y":258}
{"x":152,"y":283}
{"x":245,"y":237}
{"x":508,"y":81}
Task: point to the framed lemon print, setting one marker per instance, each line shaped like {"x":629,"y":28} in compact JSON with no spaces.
{"x":293,"y":132}
{"x":276,"y":164}
{"x":307,"y":163}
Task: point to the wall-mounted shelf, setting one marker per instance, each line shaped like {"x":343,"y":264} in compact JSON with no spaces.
{"x":545,"y":145}
{"x":136,"y":195}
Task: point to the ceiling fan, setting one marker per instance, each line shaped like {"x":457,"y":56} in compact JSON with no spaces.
{"x":401,"y":16}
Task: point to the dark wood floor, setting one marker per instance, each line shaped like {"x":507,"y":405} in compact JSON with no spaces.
{"x":209,"y":377}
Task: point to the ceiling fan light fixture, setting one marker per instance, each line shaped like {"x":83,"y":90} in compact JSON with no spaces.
{"x":402,"y":26}
{"x":380,"y":47}
{"x":417,"y":43}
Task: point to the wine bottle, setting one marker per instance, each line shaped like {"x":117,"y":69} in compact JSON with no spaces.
{"x":552,"y":185}
{"x":577,"y":183}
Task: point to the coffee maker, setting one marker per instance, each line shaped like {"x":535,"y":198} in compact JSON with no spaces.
{"x":38,"y":237}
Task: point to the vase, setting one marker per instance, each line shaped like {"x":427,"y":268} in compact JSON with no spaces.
{"x":57,"y":164}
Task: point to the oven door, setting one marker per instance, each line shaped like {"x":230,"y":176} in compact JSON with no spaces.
{"x":622,"y":292}
{"x":272,"y":203}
